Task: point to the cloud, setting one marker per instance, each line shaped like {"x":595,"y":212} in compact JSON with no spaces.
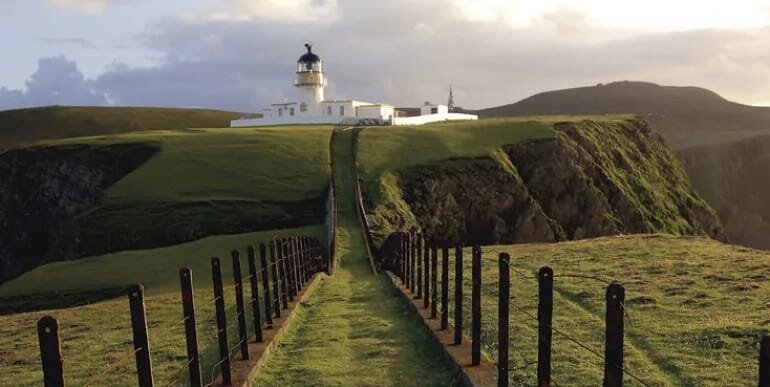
{"x":276,"y":10}
{"x":82,"y":43}
{"x":93,"y":7}
{"x":57,"y":81}
{"x":405,"y":52}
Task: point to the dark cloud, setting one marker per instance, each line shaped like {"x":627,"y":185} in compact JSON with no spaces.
{"x":405,"y":52}
{"x":57,"y":81}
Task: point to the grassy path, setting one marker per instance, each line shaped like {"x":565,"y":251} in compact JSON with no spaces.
{"x":355,"y":330}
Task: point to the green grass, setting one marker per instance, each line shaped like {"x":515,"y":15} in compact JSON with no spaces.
{"x":385,"y":153}
{"x":695,"y":308}
{"x":98,"y":336}
{"x":389,"y":149}
{"x":157,"y":269}
{"x":23,"y":126}
{"x":208,"y":182}
{"x":355,"y":330}
{"x":268,"y":163}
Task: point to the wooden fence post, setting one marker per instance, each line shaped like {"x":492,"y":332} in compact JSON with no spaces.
{"x":417,"y":263}
{"x":426,"y":272}
{"x":613,"y":347}
{"x":458,"y":295}
{"x":274,"y":258}
{"x":764,"y":362}
{"x":221,"y":321}
{"x":291,"y":273}
{"x":434,"y":281}
{"x":544,"y":320}
{"x":402,"y":257}
{"x":306,"y":265}
{"x":445,"y":287}
{"x":141,"y":343}
{"x":266,"y":285}
{"x":503,"y":317}
{"x":239,"y":307}
{"x":282,"y":273}
{"x":256,"y":313}
{"x":50,"y":352}
{"x":299,"y":273}
{"x":476,"y":307}
{"x":190,"y":330}
{"x":410,"y":262}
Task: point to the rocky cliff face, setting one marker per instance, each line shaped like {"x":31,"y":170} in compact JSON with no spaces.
{"x":734,"y":178}
{"x":591,"y":179}
{"x":43,"y":191}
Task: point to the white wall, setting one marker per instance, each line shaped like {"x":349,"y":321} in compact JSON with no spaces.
{"x":421,"y":120}
{"x":287,"y":120}
{"x":382,"y":112}
{"x":440,"y":109}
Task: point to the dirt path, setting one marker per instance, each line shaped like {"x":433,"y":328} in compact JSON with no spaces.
{"x":355,"y":330}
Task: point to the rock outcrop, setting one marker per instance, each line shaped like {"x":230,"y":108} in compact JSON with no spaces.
{"x":45,"y":188}
{"x":591,"y":179}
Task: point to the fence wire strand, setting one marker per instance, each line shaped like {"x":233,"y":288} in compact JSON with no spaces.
{"x":103,"y":374}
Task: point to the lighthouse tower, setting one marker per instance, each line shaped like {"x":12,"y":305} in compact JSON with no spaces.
{"x":310,"y":79}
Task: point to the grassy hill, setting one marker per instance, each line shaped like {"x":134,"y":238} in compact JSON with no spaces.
{"x":33,"y":124}
{"x":202,"y":182}
{"x":686,"y":116}
{"x":723,"y":145}
{"x":97,"y":335}
{"x":527,"y":180}
{"x":253,"y":183}
{"x":696,"y":308}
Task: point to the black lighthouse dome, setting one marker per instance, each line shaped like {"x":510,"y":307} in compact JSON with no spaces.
{"x":309,"y":57}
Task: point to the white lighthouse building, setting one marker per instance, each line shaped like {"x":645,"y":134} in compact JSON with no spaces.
{"x":313,"y":108}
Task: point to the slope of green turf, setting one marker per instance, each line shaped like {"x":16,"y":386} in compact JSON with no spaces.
{"x":157,"y":269}
{"x":96,"y":338}
{"x":696,"y":308}
{"x":355,"y":330}
{"x":269,"y":163}
{"x":34,"y":124}
{"x":208,"y":182}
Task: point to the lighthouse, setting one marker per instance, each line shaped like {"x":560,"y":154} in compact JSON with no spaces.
{"x":313,"y":108}
{"x":310,"y":80}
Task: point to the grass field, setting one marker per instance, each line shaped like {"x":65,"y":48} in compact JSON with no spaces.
{"x":208,"y":182}
{"x":97,"y":337}
{"x":696,"y":308}
{"x":200,"y":176}
{"x":23,"y":126}
{"x":355,"y":330}
{"x":271,"y":163}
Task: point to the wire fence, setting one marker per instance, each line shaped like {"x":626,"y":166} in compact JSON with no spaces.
{"x":293,"y":263}
{"x":530,"y":316}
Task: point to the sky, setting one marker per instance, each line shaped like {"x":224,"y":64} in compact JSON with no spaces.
{"x":241,"y":54}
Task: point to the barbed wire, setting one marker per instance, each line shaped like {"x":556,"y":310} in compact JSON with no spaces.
{"x":121,"y":361}
{"x":580,"y":344}
{"x":177,"y":369}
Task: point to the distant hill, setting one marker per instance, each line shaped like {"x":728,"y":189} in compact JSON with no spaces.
{"x":686,"y":116}
{"x":52,"y":122}
{"x":725,"y":146}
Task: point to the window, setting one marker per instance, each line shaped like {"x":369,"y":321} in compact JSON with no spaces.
{"x":291,"y":111}
{"x":328,"y":110}
{"x":303,"y":107}
{"x":280,"y":112}
{"x":342,"y":110}
{"x":433,"y":110}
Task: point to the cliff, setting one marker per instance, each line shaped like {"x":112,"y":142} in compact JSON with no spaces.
{"x":592,"y":178}
{"x":44,"y":190}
